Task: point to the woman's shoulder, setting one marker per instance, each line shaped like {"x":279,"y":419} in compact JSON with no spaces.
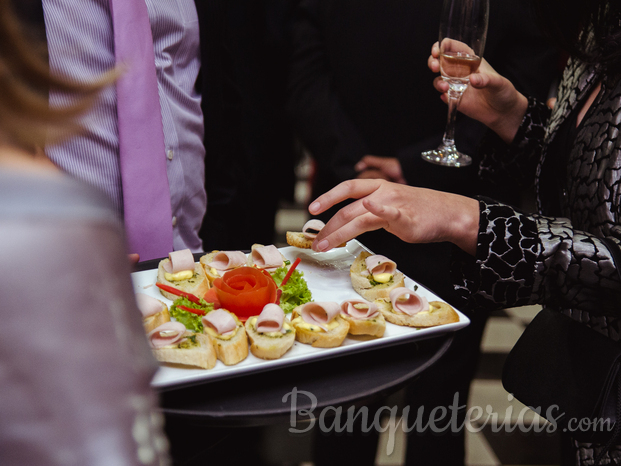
{"x":52,"y":195}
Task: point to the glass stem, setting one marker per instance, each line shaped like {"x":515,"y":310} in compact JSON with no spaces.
{"x":454,"y":97}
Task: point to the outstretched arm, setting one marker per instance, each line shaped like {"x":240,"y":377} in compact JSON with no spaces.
{"x":416,"y":215}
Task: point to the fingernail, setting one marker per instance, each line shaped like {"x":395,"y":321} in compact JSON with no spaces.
{"x":314,"y":207}
{"x":323,"y":245}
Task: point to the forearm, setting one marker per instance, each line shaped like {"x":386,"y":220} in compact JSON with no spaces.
{"x":515,"y":163}
{"x":522,"y":260}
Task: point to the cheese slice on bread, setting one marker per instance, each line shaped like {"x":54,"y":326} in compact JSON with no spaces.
{"x":373,"y":286}
{"x":319,"y":324}
{"x":270,"y":334}
{"x":154,"y":312}
{"x":172,"y":343}
{"x":217,"y":263}
{"x":407,"y":308}
{"x":363,"y":317}
{"x":228,"y":336}
{"x":188,"y":277}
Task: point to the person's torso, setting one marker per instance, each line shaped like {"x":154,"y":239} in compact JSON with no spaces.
{"x":81,"y":46}
{"x":589,"y":188}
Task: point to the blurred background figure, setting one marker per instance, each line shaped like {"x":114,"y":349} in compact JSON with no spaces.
{"x":256,"y":49}
{"x":75,"y":367}
{"x":362,"y":101}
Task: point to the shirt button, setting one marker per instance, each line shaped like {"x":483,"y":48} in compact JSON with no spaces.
{"x":169,"y":154}
{"x":174,"y":221}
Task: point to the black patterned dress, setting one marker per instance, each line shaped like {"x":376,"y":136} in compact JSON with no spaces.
{"x":556,"y":258}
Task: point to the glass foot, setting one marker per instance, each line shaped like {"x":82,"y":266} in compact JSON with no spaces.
{"x":448,"y":156}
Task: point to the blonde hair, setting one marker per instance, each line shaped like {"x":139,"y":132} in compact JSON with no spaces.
{"x":26,"y":120}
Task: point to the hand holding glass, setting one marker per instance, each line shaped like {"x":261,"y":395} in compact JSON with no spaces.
{"x":463,"y":30}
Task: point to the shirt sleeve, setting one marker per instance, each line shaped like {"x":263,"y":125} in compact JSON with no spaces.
{"x":522,"y":260}
{"x":503,"y":163}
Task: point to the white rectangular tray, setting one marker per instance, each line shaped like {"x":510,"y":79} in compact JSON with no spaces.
{"x":327,"y":275}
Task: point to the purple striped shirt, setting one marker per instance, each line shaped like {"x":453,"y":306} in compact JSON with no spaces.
{"x":81,"y":47}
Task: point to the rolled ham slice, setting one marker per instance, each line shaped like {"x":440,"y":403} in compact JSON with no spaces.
{"x":228,"y":260}
{"x":411,"y":305}
{"x":267,"y":257}
{"x":359,"y":309}
{"x":320,"y":314}
{"x":179,"y":261}
{"x":166,"y":334}
{"x":220,"y":320}
{"x":271,"y":319}
{"x":377,"y":264}
{"x":148,"y":305}
{"x":312,"y":227}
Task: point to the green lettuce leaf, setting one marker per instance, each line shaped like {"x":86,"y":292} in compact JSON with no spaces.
{"x":295,"y":292}
{"x":192,"y":322}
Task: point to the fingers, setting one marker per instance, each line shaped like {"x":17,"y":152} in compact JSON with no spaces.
{"x":368,"y":161}
{"x":357,"y":218}
{"x":351,"y":189}
{"x":433,"y":61}
{"x":433,"y":64}
{"x":440,"y":84}
{"x":386,"y":212}
{"x":339,"y":231}
{"x":373,"y":174}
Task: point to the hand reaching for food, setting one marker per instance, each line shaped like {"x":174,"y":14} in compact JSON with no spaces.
{"x":416,"y":215}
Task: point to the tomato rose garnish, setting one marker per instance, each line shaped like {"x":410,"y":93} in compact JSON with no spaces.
{"x":245,"y":291}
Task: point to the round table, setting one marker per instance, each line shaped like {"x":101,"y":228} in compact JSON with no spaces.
{"x":306,"y":389}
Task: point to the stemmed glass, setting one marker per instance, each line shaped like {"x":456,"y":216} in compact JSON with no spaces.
{"x":463,"y":30}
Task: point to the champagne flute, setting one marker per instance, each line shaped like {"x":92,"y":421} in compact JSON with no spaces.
{"x":463,"y":30}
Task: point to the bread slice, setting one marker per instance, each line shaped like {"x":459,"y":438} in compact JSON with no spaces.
{"x":230,"y":349}
{"x":311,"y":334}
{"x":298,"y":240}
{"x":363,"y":285}
{"x":269,"y":345}
{"x":209,"y":272}
{"x":195,"y":350}
{"x":375,"y":326}
{"x":197,"y":285}
{"x":153,"y":321}
{"x":439,"y":313}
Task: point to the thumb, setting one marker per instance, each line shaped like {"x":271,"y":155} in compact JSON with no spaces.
{"x":479,"y":80}
{"x":486,"y":80}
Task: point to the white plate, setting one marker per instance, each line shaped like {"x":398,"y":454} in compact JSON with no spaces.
{"x":327,"y":275}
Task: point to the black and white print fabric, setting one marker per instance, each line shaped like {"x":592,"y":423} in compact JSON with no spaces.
{"x":559,"y":262}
